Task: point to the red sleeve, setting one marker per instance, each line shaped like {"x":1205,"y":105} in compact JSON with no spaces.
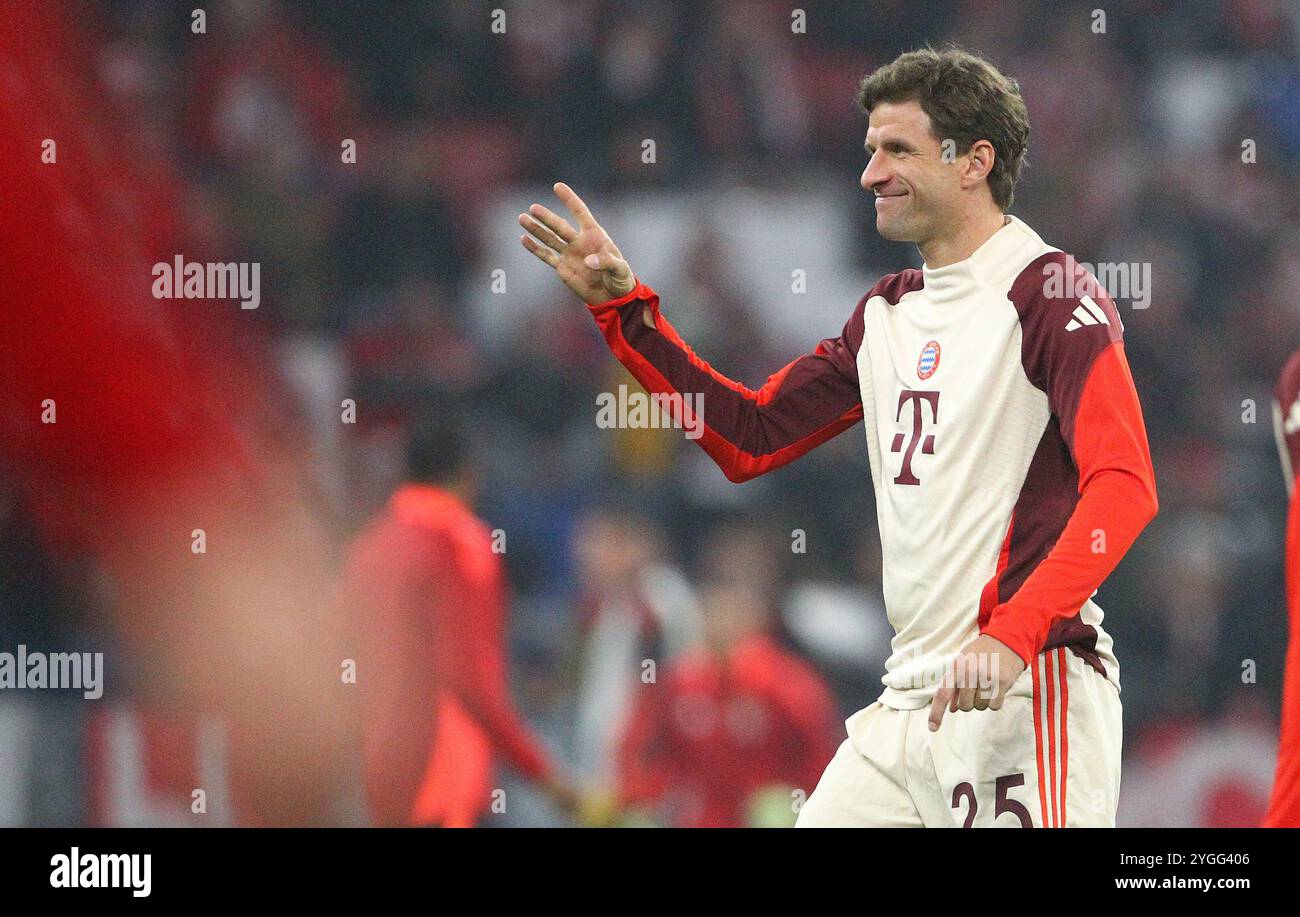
{"x":1077,"y":358}
{"x":746,"y":432}
{"x":473,"y":656}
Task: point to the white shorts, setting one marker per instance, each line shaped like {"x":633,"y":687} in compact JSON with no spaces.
{"x":1050,"y":757}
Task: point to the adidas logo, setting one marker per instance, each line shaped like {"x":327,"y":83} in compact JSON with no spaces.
{"x":1087,"y":313}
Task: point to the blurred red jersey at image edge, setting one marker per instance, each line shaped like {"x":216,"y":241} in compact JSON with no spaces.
{"x":426,"y":595}
{"x":1284,"y":805}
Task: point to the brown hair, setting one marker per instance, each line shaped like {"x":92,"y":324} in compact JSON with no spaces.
{"x":967,"y":99}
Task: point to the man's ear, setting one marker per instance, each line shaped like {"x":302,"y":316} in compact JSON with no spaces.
{"x":979,"y":163}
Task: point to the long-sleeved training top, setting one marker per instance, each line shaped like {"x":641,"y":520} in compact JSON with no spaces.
{"x":1008,"y":452}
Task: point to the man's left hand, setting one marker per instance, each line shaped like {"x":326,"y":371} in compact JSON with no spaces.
{"x":977,"y":679}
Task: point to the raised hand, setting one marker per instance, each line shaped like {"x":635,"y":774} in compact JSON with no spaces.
{"x":586,"y":258}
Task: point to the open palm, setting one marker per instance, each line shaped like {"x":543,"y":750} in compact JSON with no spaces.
{"x":586,"y":259}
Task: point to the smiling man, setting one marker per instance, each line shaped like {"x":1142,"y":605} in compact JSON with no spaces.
{"x":1008,"y":456}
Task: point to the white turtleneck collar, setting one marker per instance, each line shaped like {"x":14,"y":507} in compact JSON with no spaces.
{"x":987,"y":264}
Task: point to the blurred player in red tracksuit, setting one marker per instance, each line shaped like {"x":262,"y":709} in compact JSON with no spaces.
{"x":1284,"y":807}
{"x":427,"y":593}
{"x":733,"y":725}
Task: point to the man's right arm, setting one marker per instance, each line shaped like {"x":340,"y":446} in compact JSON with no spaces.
{"x":747,"y":433}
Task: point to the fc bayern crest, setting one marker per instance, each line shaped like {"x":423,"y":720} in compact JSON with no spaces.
{"x":929,"y":360}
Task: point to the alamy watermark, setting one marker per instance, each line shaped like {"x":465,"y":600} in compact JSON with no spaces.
{"x":638,"y":410}
{"x":1129,"y":280}
{"x":82,"y":672}
{"x":923,"y":670}
{"x":183,"y":279}
{"x":75,"y":869}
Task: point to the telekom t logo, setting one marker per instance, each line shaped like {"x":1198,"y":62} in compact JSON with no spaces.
{"x":905,"y":475}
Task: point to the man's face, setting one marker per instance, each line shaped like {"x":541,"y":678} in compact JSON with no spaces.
{"x":916,"y":191}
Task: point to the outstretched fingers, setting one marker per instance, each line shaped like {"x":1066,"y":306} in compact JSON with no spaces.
{"x":541,"y":233}
{"x":575,"y":205}
{"x":543,"y":253}
{"x":553,"y":221}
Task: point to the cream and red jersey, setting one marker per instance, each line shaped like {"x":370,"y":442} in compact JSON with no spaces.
{"x":1008,"y":453}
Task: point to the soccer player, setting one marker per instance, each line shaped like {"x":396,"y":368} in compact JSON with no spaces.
{"x":427,"y":594}
{"x":1008,"y":456}
{"x":1284,"y":805}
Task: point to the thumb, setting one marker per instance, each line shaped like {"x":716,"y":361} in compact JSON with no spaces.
{"x":606,"y":259}
{"x":939,"y":706}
